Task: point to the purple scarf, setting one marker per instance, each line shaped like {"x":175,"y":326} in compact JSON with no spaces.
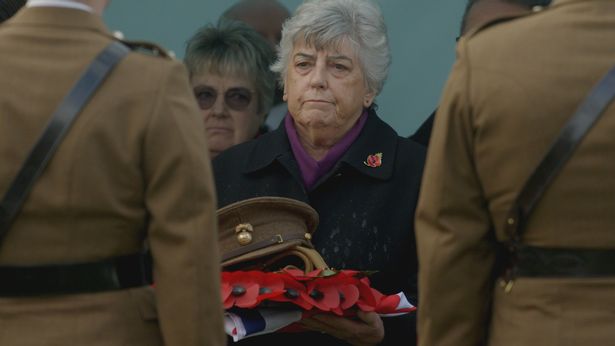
{"x":312,"y":170}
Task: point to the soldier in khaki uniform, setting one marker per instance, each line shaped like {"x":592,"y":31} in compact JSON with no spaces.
{"x":513,"y":87}
{"x":133,"y":169}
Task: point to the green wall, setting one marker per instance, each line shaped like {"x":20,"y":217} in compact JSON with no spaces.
{"x":422,"y":35}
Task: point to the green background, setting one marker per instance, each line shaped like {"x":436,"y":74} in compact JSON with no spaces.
{"x":421,"y":32}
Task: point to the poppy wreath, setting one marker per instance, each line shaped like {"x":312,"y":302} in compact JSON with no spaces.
{"x":340,"y":292}
{"x":268,"y":260}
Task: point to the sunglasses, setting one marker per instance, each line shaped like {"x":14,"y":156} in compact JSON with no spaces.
{"x":237,"y":99}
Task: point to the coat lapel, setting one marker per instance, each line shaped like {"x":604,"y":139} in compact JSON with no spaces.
{"x":376,"y":138}
{"x":270,"y":148}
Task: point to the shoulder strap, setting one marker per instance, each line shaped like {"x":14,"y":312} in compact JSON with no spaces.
{"x":57,"y":127}
{"x":569,"y":137}
{"x":494,"y":22}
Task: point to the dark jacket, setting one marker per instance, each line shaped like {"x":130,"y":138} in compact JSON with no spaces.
{"x":366,"y":214}
{"x":423,"y":133}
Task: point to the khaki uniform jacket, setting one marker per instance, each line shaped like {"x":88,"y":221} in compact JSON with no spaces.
{"x":511,"y":90}
{"x":133,"y":166}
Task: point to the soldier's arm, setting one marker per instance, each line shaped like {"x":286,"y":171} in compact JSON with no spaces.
{"x":180,"y":198}
{"x":453,"y":227}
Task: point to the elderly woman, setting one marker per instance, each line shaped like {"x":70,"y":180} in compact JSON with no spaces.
{"x":232,"y":82}
{"x":335,"y":153}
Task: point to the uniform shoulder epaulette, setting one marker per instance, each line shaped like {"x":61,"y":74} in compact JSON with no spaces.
{"x":144,"y":47}
{"x":503,"y":19}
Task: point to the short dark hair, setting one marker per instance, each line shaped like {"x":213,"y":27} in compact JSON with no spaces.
{"x":528,"y":3}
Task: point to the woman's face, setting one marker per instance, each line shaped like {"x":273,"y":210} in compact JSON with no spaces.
{"x":230,"y":110}
{"x":326,"y":89}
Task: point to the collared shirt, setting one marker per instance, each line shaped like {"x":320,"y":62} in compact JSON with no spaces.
{"x":312,"y":170}
{"x":60,"y":3}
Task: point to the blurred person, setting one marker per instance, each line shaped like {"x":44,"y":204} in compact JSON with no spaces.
{"x":335,"y":153}
{"x":477,"y":14}
{"x":231,"y":80}
{"x":9,"y":7}
{"x":514,"y":86}
{"x":266,"y":17}
{"x":132,"y":170}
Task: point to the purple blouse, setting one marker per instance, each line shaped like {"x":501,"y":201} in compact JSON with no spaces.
{"x":312,"y":170}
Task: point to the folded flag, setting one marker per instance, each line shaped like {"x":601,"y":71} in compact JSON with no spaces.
{"x":240,"y":323}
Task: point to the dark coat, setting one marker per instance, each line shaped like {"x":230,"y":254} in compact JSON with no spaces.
{"x":366,"y":214}
{"x":423,"y":133}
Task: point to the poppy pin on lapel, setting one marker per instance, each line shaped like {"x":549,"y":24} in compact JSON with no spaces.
{"x":374,"y":160}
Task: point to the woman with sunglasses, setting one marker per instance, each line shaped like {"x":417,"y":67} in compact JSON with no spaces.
{"x":230,"y":76}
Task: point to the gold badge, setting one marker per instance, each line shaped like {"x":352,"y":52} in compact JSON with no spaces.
{"x":244,"y":233}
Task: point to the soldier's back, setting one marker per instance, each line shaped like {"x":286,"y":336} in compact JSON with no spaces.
{"x":527,"y":78}
{"x":132,"y":166}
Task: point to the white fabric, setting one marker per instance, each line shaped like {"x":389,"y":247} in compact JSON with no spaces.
{"x":275,"y":319}
{"x":60,"y":3}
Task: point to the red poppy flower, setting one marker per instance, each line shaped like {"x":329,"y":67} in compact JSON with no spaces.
{"x":240,"y":289}
{"x":225,"y":289}
{"x":388,"y":304}
{"x":294,"y":292}
{"x":270,"y":285}
{"x":368,"y":297}
{"x":353,"y":289}
{"x":349,"y":295}
{"x":374,"y":160}
{"x":334,"y":293}
{"x":325,"y":294}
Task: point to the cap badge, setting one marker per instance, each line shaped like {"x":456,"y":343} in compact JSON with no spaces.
{"x":374,"y":160}
{"x":244,"y":233}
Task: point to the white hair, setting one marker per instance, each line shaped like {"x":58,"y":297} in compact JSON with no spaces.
{"x":327,"y":23}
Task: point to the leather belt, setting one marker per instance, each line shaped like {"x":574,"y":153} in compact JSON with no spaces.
{"x":113,"y":274}
{"x":564,"y":262}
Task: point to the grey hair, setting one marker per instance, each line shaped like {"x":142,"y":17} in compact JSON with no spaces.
{"x":327,"y":23}
{"x":232,"y":48}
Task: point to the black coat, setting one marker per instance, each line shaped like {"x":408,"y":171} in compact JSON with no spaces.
{"x":366,"y":213}
{"x":423,"y":134}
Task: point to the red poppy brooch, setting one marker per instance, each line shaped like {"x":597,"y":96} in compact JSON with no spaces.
{"x":374,"y":160}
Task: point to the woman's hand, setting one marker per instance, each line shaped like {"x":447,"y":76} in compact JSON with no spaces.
{"x":365,"y":331}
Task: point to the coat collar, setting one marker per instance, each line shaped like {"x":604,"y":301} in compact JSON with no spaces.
{"x":376,"y":137}
{"x":59,"y":17}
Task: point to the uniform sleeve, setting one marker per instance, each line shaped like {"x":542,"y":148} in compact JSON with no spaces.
{"x":180,"y":198}
{"x":453,"y":230}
